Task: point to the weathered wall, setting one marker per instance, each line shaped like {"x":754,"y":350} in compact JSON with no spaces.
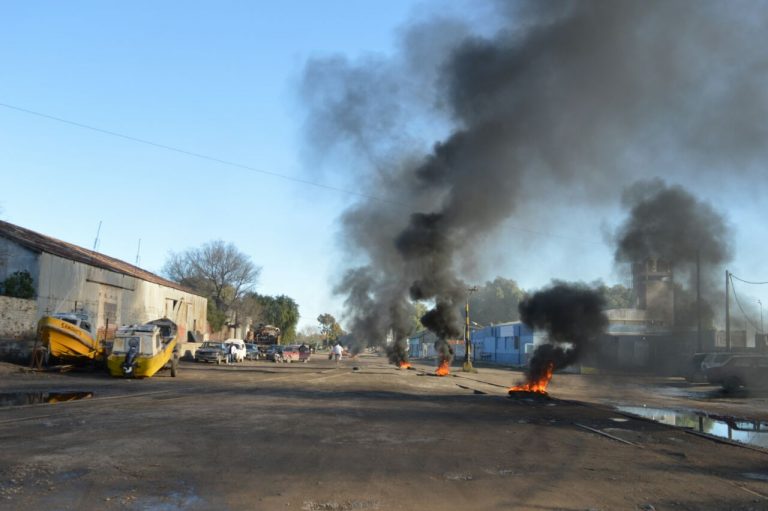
{"x":18,"y":318}
{"x":18,"y":328}
{"x":107,"y":295}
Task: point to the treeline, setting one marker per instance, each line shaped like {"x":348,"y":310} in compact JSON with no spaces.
{"x":227,"y":278}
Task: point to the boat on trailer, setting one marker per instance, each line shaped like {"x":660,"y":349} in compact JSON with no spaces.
{"x":69,"y":336}
{"x":140,"y":351}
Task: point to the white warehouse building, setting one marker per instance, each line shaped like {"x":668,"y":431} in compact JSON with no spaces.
{"x":67,"y":277}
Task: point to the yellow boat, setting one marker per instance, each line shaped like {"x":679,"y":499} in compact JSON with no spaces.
{"x":69,"y":336}
{"x":139,"y":351}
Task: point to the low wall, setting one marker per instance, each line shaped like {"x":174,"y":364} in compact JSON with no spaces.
{"x":187,"y":349}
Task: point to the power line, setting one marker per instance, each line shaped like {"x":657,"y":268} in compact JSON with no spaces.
{"x":736,"y":297}
{"x":747,"y":281}
{"x":258,"y":170}
{"x":197,"y":155}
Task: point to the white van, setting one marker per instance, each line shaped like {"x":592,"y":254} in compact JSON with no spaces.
{"x":239,"y":348}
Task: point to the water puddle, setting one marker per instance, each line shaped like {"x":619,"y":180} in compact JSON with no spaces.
{"x":34,"y":398}
{"x":740,"y":430}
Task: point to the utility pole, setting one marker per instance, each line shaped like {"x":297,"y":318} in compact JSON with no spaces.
{"x":698,"y":301}
{"x":467,"y":368}
{"x":727,"y":312}
{"x":96,"y":241}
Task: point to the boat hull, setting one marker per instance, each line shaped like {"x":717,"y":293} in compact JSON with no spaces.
{"x":145,"y":366}
{"x":67,"y":341}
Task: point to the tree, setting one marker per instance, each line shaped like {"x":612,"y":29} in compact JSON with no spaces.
{"x":419,"y":309}
{"x":19,"y":285}
{"x":282,"y":312}
{"x":309,"y":335}
{"x":217,"y":268}
{"x":617,"y":296}
{"x":330,"y":329}
{"x":218,"y":271}
{"x":495,"y":302}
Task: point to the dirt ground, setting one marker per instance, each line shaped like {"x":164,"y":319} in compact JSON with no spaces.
{"x":261,"y":436}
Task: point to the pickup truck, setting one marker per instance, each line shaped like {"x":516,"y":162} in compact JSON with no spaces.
{"x":740,"y":370}
{"x":211,"y":351}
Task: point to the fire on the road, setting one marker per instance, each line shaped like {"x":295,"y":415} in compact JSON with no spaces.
{"x":539,"y":385}
{"x":443,"y":369}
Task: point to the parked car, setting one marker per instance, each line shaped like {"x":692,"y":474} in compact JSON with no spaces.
{"x":291,"y":353}
{"x":694,"y":371}
{"x":240,"y":350}
{"x":740,"y":370}
{"x":715,"y":359}
{"x":211,"y":351}
{"x":275,"y":353}
{"x":252,"y":351}
{"x":305,"y":352}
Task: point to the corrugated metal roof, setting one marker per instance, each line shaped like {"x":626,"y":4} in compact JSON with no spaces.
{"x":41,"y":243}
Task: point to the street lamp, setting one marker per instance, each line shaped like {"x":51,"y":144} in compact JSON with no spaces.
{"x":467,"y":367}
{"x":761,"y":317}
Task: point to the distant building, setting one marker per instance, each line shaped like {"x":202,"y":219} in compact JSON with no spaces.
{"x":653,"y":283}
{"x":505,"y":343}
{"x":67,"y":277}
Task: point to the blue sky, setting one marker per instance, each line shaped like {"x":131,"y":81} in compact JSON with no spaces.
{"x":220,"y":78}
{"x":217,"y":78}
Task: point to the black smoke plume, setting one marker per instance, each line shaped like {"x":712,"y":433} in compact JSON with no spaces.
{"x":571,"y":315}
{"x":543,"y":103}
{"x":444,"y":353}
{"x":397,"y":352}
{"x":669,"y":223}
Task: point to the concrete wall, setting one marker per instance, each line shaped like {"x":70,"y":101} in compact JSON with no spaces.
{"x":18,"y":328}
{"x":18,"y":318}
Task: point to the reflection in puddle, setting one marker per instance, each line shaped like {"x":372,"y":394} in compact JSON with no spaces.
{"x":740,"y":430}
{"x":33,"y":398}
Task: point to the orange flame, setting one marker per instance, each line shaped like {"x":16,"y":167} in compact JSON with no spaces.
{"x":443,"y":369}
{"x":403,"y":365}
{"x":539,"y":386}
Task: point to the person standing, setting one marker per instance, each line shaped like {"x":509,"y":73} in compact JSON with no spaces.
{"x":337,"y":350}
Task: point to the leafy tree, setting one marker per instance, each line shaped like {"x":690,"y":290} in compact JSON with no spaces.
{"x":617,"y":296}
{"x":495,"y":302}
{"x":330,"y":329}
{"x":19,"y":285}
{"x":216,"y":318}
{"x":419,"y":309}
{"x":281,"y":311}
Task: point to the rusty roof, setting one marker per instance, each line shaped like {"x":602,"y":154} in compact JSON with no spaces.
{"x":41,"y":243}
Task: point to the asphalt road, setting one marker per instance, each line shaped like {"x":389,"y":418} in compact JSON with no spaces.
{"x":364,"y":435}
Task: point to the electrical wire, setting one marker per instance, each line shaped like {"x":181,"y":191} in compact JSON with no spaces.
{"x":743,"y":313}
{"x":747,"y":281}
{"x":198,"y":155}
{"x":258,"y":170}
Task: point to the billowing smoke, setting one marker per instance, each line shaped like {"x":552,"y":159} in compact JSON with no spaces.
{"x":558,"y":103}
{"x":444,"y":353}
{"x":669,"y":224}
{"x":572,"y":317}
{"x":397,"y":352}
